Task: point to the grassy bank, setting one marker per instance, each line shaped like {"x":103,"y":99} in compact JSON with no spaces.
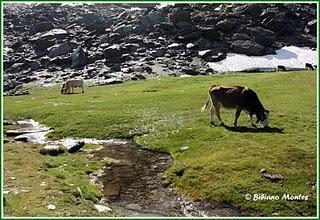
{"x":221,"y":164}
{"x":36,"y":181}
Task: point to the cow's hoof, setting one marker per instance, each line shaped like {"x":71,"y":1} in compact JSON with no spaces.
{"x":212,"y":123}
{"x":255,"y":126}
{"x":221,"y":123}
{"x":234,"y":125}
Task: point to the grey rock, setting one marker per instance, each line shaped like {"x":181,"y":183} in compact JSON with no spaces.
{"x":62,"y":49}
{"x":52,"y":150}
{"x":79,"y":58}
{"x":263,"y":36}
{"x":41,"y":27}
{"x":226,"y":25}
{"x":247,"y":47}
{"x":190,"y":71}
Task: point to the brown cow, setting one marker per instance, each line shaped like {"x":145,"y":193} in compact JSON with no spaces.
{"x":70,"y":85}
{"x":239,"y":98}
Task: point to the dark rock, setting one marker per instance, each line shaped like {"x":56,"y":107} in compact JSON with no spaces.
{"x":180,"y":16}
{"x":17,"y":67}
{"x":76,"y":147}
{"x":274,"y":24}
{"x":138,"y":77}
{"x":41,"y":27}
{"x":52,"y":150}
{"x":22,"y":138}
{"x":226,"y":25}
{"x":263,"y":36}
{"x":55,"y":33}
{"x":114,"y":51}
{"x":312,"y":27}
{"x":287,"y":30}
{"x":79,"y":58}
{"x":247,"y":47}
{"x":253,"y":10}
{"x":240,"y":36}
{"x":210,"y":33}
{"x":62,"y":49}
{"x":190,"y":71}
{"x":34,"y":65}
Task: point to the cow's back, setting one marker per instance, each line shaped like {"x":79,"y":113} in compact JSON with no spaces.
{"x":75,"y":83}
{"x":228,"y":97}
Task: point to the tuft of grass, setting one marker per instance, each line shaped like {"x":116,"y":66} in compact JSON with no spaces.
{"x":221,"y":164}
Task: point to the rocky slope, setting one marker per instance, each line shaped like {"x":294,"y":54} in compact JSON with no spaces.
{"x":110,"y":43}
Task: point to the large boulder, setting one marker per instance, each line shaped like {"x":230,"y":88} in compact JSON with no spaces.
{"x":42,"y":44}
{"x":52,"y":150}
{"x":180,"y":16}
{"x":247,"y":47}
{"x":113,"y":52}
{"x":41,"y":27}
{"x":79,"y":58}
{"x":240,"y":36}
{"x":263,"y":36}
{"x":253,"y":10}
{"x":62,"y":49}
{"x":210,"y":33}
{"x":226,"y":25}
{"x":274,"y":23}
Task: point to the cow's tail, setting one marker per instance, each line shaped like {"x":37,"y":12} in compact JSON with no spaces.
{"x":206,"y":105}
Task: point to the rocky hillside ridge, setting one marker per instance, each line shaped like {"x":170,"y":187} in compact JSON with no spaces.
{"x":110,"y":43}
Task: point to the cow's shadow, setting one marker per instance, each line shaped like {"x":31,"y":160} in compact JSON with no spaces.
{"x":254,"y":130}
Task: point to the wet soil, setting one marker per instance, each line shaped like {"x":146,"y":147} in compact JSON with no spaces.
{"x":134,"y":184}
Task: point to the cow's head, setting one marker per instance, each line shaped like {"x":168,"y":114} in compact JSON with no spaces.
{"x":63,"y":89}
{"x":263,"y":118}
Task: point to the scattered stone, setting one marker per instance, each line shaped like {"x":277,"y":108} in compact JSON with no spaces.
{"x":51,"y":207}
{"x":22,"y":138}
{"x":102,"y":208}
{"x":76,"y":147}
{"x":52,"y":150}
{"x":272,"y":176}
{"x":262,"y":170}
{"x":184,"y":148}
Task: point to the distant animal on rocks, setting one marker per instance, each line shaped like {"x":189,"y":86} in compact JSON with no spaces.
{"x":309,"y":66}
{"x":281,"y":68}
{"x":69,"y":86}
{"x":239,"y":98}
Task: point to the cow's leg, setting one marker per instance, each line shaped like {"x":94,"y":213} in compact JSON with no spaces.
{"x":217,"y":111}
{"x":211,"y":115}
{"x":252,"y":121}
{"x":82,"y":89}
{"x":238,"y":111}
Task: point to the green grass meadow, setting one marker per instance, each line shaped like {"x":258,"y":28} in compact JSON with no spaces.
{"x":221,"y":163}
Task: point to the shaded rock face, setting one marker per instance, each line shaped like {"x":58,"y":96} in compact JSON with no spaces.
{"x":50,"y":43}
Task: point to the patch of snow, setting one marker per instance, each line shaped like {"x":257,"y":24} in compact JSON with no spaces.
{"x":291,"y":57}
